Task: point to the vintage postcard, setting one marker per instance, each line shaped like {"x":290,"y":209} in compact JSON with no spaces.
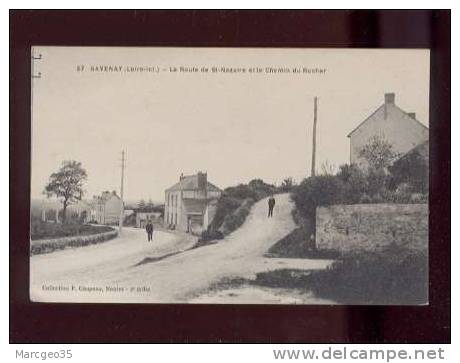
{"x":229,"y":175}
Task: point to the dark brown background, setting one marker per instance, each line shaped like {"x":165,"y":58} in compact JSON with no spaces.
{"x":85,"y":323}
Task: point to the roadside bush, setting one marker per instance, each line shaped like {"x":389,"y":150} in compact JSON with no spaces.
{"x":377,"y":181}
{"x":235,"y":219}
{"x":397,"y":196}
{"x":46,"y":246}
{"x":211,"y":235}
{"x":239,"y":197}
{"x":312,"y":192}
{"x":287,"y":185}
{"x":225,"y":206}
{"x":261,"y":189}
{"x":354,"y":183}
{"x":240,"y":191}
{"x":413,"y":170}
{"x":317,"y":191}
{"x":395,"y":276}
{"x":365,"y":199}
{"x":351,"y":186}
{"x":47,"y":230}
{"x":234,"y":206}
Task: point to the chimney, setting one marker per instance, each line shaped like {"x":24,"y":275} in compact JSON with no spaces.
{"x":411,"y":115}
{"x":389,"y":98}
{"x":202,"y":180}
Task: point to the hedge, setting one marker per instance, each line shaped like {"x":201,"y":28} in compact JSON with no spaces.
{"x":38,"y":247}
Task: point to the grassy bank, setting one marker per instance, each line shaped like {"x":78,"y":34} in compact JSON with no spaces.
{"x":233,"y":208}
{"x":47,"y":230}
{"x":395,"y":276}
{"x":297,"y":244}
{"x":42,"y":246}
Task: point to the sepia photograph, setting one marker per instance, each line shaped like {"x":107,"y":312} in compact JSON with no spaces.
{"x":229,"y":175}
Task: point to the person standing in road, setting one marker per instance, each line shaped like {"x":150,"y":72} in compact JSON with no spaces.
{"x":271,"y":205}
{"x":149,"y":230}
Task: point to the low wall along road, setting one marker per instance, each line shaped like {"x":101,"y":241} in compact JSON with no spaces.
{"x":49,"y":245}
{"x":371,"y":227}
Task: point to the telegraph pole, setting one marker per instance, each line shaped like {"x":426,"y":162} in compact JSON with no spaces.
{"x":313,"y":154}
{"x":122,"y":208}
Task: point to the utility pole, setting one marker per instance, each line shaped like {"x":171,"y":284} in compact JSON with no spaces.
{"x":122,"y":208}
{"x":313,"y":154}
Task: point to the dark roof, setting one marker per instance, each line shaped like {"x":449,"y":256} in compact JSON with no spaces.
{"x":378,"y":109}
{"x":190,"y":182}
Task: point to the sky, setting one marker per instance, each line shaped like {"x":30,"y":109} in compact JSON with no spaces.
{"x":234,"y":126}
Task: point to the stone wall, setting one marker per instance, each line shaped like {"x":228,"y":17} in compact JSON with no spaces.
{"x":371,"y":227}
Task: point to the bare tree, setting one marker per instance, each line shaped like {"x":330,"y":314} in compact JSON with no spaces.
{"x":378,"y":152}
{"x":67,"y":184}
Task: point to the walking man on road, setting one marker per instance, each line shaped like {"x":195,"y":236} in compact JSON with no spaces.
{"x":149,"y":229}
{"x":271,"y":205}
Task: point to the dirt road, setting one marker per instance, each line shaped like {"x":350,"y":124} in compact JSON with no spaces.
{"x":112,"y":276}
{"x":100,"y":263}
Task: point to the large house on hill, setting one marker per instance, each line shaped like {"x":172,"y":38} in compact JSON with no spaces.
{"x":190,"y":204}
{"x":401,"y":129}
